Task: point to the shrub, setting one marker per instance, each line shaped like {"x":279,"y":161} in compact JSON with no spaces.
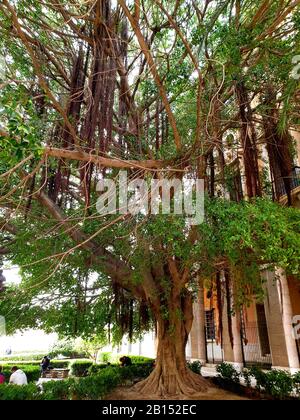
{"x":247,"y":377}
{"x":260,"y":377}
{"x":60,"y":364}
{"x":105,"y":357}
{"x":90,"y":388}
{"x":138,"y":370}
{"x":296,"y":380}
{"x":141,"y":360}
{"x":195,"y":366}
{"x":96,"y":387}
{"x":14,"y":392}
{"x":66,"y":348}
{"x":57,"y":390}
{"x":277,"y":383}
{"x":228,"y":372}
{"x":95,"y":369}
{"x":30,"y":358}
{"x":281,"y":384}
{"x":80,"y":367}
{"x":22,"y":364}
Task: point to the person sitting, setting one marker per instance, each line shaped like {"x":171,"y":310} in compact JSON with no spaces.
{"x":18,"y":377}
{"x":2,"y":377}
{"x":125,"y":361}
{"x":45,"y":365}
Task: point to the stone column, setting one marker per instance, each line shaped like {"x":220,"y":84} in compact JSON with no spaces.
{"x":287,"y":321}
{"x":233,"y":352}
{"x":279,"y":322}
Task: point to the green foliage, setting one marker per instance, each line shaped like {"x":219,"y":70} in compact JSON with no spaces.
{"x":141,"y":360}
{"x":140,"y":365}
{"x":80,"y":298}
{"x":246,"y":234}
{"x":275,"y":383}
{"x":80,"y":367}
{"x":93,"y":387}
{"x":246,"y":374}
{"x":296,"y":378}
{"x":22,"y":123}
{"x":105,"y":357}
{"x":66,"y":348}
{"x":96,"y":387}
{"x":92,"y":345}
{"x":15,"y":392}
{"x":30,"y":358}
{"x":95,"y":369}
{"x":228,"y":372}
{"x":55,"y":363}
{"x":260,"y":377}
{"x":195,"y":366}
{"x":57,"y":390}
{"x":60,"y":364}
{"x":139,"y":371}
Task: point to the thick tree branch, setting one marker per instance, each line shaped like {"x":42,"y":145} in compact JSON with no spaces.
{"x":112,"y":266}
{"x":104,"y":161}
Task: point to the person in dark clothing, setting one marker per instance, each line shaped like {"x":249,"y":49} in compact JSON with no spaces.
{"x":45,"y":364}
{"x":125,"y":361}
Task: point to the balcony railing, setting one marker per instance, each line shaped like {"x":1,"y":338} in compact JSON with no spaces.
{"x":294,"y":179}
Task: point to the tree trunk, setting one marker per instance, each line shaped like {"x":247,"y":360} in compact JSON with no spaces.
{"x":171,"y":376}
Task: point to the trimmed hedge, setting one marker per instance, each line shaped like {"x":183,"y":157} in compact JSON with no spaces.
{"x":80,"y":367}
{"x":15,"y":392}
{"x":32,"y":370}
{"x":108,"y":357}
{"x":60,"y":364}
{"x":141,"y":359}
{"x":138,"y":370}
{"x":54,"y":363}
{"x":96,"y":387}
{"x":26,"y":358}
{"x":93,"y":387}
{"x":57,"y":390}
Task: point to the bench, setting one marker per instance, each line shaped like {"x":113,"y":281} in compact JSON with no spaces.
{"x":56,"y":373}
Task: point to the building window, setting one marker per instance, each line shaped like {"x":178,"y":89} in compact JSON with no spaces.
{"x":210,"y":327}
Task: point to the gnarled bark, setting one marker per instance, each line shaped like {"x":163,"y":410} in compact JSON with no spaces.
{"x":171,"y":376}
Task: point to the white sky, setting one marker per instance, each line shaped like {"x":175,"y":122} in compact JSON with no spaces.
{"x":12,"y":275}
{"x":31,"y":340}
